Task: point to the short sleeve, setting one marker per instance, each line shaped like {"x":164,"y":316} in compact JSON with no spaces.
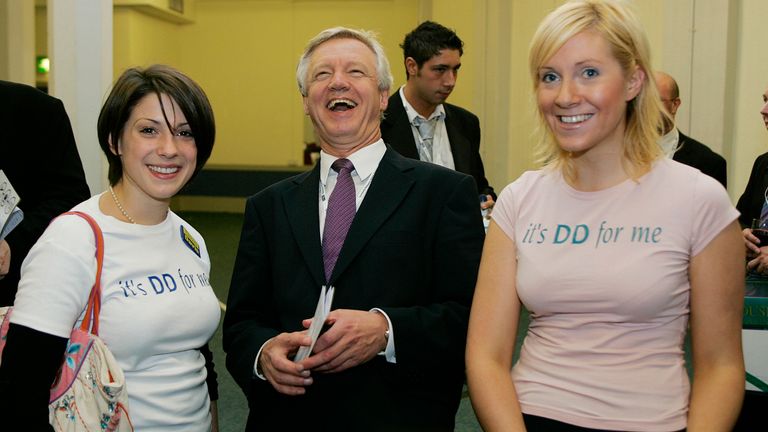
{"x":712,"y":212}
{"x":505,"y":211}
{"x":56,"y":278}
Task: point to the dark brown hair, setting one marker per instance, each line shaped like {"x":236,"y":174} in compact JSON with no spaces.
{"x":131,"y":87}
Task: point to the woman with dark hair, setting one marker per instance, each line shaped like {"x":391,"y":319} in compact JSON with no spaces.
{"x":612,"y":248}
{"x":158,"y":310}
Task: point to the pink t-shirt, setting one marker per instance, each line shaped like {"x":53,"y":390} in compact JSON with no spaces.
{"x":605,"y":277}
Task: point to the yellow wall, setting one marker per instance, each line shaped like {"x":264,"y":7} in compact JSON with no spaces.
{"x":41,"y":40}
{"x":462,"y":17}
{"x":244,"y":54}
{"x":523,"y":115}
{"x":142,"y":40}
{"x":648,"y":11}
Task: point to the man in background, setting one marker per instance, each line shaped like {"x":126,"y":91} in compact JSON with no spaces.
{"x":39,"y":156}
{"x":682,"y":148}
{"x":419,"y":124}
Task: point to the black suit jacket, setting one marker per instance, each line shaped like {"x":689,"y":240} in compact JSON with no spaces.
{"x":39,"y":156}
{"x":463,"y":129}
{"x":701,"y":157}
{"x":751,"y":201}
{"x":413,"y":250}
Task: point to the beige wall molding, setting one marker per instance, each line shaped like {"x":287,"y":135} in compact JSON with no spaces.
{"x":175,"y":11}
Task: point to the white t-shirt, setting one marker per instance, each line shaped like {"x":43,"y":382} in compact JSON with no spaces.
{"x":605,"y":277}
{"x":158,"y":307}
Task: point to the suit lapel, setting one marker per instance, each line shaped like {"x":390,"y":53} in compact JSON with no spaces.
{"x":302,"y":213}
{"x":399,"y":131}
{"x":389,"y":187}
{"x":683,"y":152}
{"x":457,"y":140}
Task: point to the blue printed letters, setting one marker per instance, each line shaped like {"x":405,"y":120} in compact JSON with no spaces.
{"x":578,"y":234}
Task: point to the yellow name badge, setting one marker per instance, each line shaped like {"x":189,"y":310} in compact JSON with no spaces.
{"x":189,"y":241}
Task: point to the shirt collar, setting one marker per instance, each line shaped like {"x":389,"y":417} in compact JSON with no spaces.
{"x":439,"y":111}
{"x":669,"y":142}
{"x":365,"y":160}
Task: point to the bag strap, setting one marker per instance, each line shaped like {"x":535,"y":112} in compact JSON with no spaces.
{"x":91,"y":319}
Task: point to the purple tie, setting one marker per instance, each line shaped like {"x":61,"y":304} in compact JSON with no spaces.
{"x":338,"y":217}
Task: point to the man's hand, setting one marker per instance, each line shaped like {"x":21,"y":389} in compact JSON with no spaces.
{"x":757,"y":252}
{"x":759,"y":263}
{"x":5,"y":258}
{"x":354,"y":338}
{"x":751,"y":242}
{"x":486,"y":207}
{"x":487,"y":204}
{"x":276,"y":363}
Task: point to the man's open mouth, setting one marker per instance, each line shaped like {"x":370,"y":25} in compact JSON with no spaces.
{"x":341,"y":105}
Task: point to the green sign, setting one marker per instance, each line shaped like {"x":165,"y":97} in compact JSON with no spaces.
{"x":43,"y":65}
{"x":756,"y":313}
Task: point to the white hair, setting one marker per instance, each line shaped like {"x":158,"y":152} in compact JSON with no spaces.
{"x":383,"y":71}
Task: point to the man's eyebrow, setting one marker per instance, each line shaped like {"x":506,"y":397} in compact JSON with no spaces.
{"x":445,"y":65}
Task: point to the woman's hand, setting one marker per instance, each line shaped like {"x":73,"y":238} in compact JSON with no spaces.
{"x":214,"y":416}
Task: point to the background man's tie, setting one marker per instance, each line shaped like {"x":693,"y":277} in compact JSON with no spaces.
{"x":764,"y":211}
{"x":338,"y":217}
{"x":426,"y":130}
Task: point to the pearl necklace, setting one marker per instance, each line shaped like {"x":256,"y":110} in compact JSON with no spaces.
{"x":120,"y":207}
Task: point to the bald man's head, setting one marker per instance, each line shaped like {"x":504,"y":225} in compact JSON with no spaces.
{"x":669,"y":92}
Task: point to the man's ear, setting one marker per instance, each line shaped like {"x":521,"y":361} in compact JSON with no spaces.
{"x":411,"y":66}
{"x":305,"y":104}
{"x":383,"y":99}
{"x":676,"y":104}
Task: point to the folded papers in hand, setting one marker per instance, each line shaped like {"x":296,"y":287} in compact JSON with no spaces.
{"x":10,"y":215}
{"x":321,"y":313}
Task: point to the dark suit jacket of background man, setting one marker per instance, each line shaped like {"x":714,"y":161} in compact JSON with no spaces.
{"x":701,"y":157}
{"x":413,"y":250}
{"x":39,"y":156}
{"x":751,"y":201}
{"x":463,"y":129}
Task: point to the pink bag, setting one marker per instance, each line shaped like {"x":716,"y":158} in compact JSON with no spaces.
{"x":89,"y":392}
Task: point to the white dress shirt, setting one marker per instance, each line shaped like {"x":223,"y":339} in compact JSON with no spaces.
{"x":669,"y":142}
{"x":441,"y":147}
{"x":366,"y":161}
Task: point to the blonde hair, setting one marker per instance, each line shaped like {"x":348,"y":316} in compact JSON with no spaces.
{"x":616,"y":22}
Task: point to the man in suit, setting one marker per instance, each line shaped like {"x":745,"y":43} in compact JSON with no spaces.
{"x":39,"y":156}
{"x":392,"y":354}
{"x":680,"y":147}
{"x":432,"y":57}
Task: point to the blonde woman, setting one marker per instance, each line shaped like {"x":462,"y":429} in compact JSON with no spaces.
{"x":612,"y":248}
